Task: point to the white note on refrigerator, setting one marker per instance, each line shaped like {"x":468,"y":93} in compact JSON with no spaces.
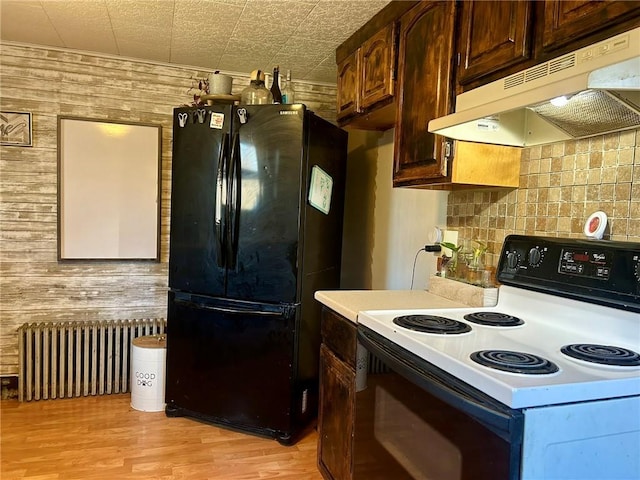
{"x":320,"y":189}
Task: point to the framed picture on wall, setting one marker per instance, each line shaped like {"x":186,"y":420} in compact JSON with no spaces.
{"x":109,"y":176}
{"x":15,"y":129}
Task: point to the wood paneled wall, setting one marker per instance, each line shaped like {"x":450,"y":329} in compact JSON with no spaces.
{"x":34,"y":286}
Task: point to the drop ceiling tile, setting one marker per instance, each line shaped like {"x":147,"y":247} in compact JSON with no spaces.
{"x":324,"y":74}
{"x":353,"y":12}
{"x":141,"y":22}
{"x":150,"y":35}
{"x":193,"y":16}
{"x":242,"y":64}
{"x":314,"y":50}
{"x":143,"y":13}
{"x":337,"y":20}
{"x":267,"y":14}
{"x":184,"y":53}
{"x":86,"y":25}
{"x":144,"y":50}
{"x":329,"y":61}
{"x":87,"y":12}
{"x":199,"y":59}
{"x":78,"y":38}
{"x":300,"y":67}
{"x":249,"y":47}
{"x":15,"y":15}
{"x":262,"y":38}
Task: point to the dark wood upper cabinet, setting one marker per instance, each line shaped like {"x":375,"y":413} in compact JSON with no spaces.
{"x":493,"y":35}
{"x":348,"y":99}
{"x":566,"y":22}
{"x":496,"y":39}
{"x":366,"y":83}
{"x":440,"y":48}
{"x":378,"y":56}
{"x":367,"y":63}
{"x":425,"y":91}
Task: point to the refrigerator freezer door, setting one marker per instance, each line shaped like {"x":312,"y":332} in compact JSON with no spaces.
{"x":197,"y":211}
{"x":230,"y":363}
{"x":270,"y":196}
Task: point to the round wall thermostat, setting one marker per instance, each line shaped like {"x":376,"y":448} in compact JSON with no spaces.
{"x":595,"y":225}
{"x":435,"y":236}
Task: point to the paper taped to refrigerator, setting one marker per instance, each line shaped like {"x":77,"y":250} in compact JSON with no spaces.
{"x":217,"y":120}
{"x":320,"y":190}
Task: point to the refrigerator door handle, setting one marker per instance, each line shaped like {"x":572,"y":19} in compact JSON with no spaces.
{"x":233,"y":194}
{"x":238,"y":311}
{"x":221,"y":201}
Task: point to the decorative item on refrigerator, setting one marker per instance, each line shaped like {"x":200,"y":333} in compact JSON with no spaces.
{"x":288,"y":93}
{"x":275,"y":86}
{"x":256,"y":93}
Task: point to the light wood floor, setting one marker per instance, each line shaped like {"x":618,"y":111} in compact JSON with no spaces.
{"x":104,"y":438}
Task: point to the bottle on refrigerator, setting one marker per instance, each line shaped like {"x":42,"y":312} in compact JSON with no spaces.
{"x":256,"y":93}
{"x":287,"y":90}
{"x":275,"y":86}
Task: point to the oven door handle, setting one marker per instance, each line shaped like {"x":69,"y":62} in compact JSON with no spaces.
{"x":500,"y":419}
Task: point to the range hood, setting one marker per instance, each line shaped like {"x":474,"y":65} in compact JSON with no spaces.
{"x":600,"y":85}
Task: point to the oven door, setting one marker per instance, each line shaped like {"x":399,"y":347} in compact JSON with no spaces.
{"x":415,"y":421}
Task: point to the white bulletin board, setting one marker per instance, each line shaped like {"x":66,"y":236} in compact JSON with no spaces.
{"x":108,"y":190}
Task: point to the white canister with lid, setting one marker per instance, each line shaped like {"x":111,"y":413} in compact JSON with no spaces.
{"x":148,"y":364}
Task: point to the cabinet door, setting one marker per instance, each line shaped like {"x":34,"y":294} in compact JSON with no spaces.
{"x":566,"y":21}
{"x":336,"y":417}
{"x":378,"y":60}
{"x":493,"y":35}
{"x":425,"y":91}
{"x":348,"y":86}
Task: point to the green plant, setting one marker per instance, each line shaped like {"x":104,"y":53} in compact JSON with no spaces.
{"x":478,"y":251}
{"x":451,"y":246}
{"x":452,"y":263}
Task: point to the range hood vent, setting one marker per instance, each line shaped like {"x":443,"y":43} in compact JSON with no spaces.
{"x":599,"y":85}
{"x":591,"y":112}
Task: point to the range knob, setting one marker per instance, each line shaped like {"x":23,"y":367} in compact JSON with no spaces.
{"x":535,"y":256}
{"x":513,"y":260}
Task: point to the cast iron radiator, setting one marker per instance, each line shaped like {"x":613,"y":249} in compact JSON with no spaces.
{"x":74,"y":359}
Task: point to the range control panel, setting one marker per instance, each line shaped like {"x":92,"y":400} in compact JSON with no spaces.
{"x":599,"y":271}
{"x":594,"y":264}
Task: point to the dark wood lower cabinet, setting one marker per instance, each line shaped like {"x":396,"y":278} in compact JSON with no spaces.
{"x":337,"y":397}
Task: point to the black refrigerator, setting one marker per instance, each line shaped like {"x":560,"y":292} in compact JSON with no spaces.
{"x":257,"y":195}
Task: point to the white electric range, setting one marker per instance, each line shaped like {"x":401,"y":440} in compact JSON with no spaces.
{"x":560,"y":353}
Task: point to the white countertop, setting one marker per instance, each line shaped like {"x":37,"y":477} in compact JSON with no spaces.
{"x":349,"y":302}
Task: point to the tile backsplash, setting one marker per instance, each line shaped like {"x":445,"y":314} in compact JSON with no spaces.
{"x":561,"y":184}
